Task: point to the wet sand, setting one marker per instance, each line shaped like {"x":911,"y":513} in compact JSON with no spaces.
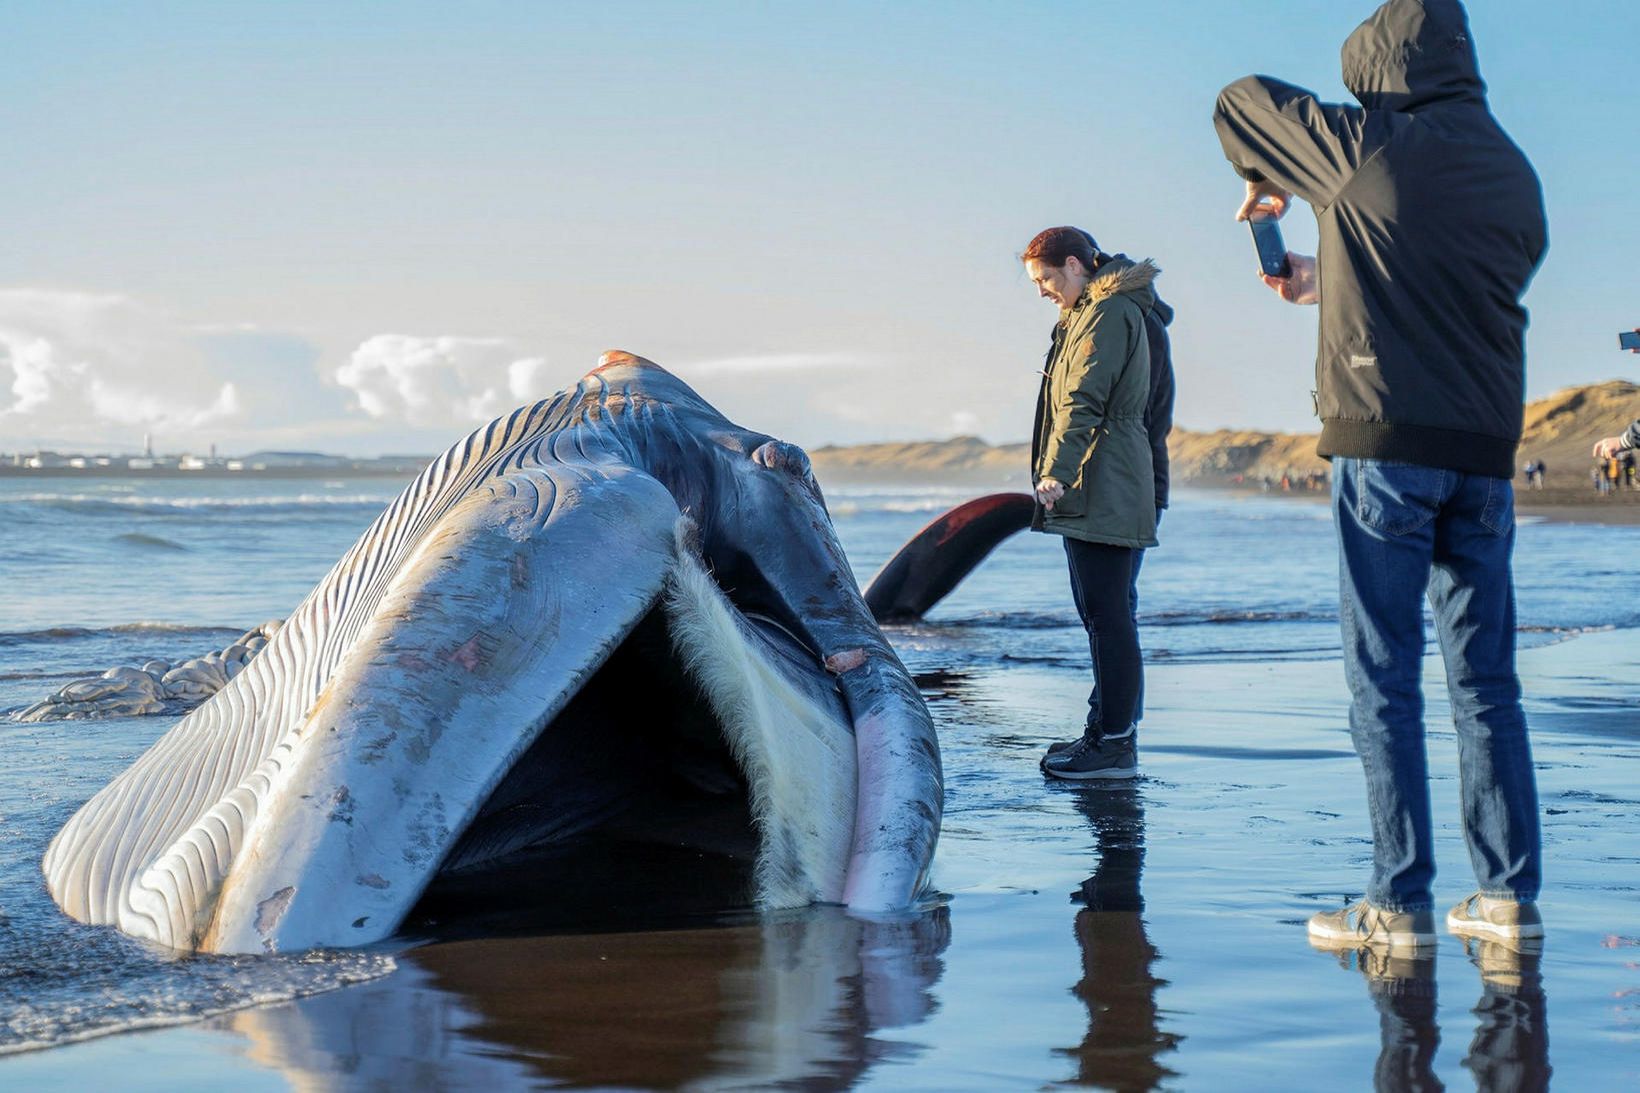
{"x":1571,"y":506}
{"x":1124,"y":938}
{"x":1581,"y":506}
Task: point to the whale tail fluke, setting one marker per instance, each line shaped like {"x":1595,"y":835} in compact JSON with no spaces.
{"x":938,"y":557}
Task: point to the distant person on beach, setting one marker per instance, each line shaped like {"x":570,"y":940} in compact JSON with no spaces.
{"x":1431,"y":227}
{"x":1094,"y":475}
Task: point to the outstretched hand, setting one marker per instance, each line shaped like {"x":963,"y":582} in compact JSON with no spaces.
{"x":1299,"y":287}
{"x":1608,"y":448}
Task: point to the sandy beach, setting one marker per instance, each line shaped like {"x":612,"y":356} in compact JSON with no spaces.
{"x":1141,"y":938}
{"x":1126,"y":939}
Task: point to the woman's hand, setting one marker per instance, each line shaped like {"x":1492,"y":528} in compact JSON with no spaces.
{"x":1300,"y":286}
{"x":1607,"y":448}
{"x":1049,"y":490}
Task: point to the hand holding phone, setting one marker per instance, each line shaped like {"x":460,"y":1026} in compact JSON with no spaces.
{"x":1272,"y":250}
{"x":1630,"y":340}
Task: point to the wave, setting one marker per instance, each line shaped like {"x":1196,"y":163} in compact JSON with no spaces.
{"x":153,"y":542}
{"x":54,"y":1006}
{"x":1568,"y":631}
{"x":1223,"y":617}
{"x":1003,"y":620}
{"x":868,"y":507}
{"x":89,"y":504}
{"x":931,"y":492}
{"x":1045,"y":620}
{"x":85,"y":633}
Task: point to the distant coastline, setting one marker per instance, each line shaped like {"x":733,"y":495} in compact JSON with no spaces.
{"x":348,"y":470}
{"x":1558,"y":430}
{"x":264,"y":464}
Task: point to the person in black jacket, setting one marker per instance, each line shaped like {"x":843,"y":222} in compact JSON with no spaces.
{"x":1431,"y":226}
{"x":1158,"y":424}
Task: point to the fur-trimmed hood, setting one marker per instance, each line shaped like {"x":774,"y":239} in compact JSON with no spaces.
{"x":1121,"y":276}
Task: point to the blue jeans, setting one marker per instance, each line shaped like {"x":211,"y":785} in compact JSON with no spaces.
{"x":1404,"y":531}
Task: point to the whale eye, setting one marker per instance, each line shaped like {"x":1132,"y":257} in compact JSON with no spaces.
{"x":778,"y":455}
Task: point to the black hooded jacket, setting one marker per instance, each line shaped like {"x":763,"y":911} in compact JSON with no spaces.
{"x":1159,"y":406}
{"x":1159,"y":409}
{"x":1431,"y":227}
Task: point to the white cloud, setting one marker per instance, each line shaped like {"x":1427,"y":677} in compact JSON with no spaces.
{"x":775,"y":362}
{"x":440,"y":380}
{"x":73,"y":364}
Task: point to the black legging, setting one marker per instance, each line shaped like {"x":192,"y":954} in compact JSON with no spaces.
{"x":1101,"y":583}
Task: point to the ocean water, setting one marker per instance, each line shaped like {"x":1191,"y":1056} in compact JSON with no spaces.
{"x":100,"y":572}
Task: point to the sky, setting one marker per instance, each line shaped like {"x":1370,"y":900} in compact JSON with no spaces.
{"x":369,"y":227}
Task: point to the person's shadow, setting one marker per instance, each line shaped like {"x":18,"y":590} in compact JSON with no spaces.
{"x":1124,"y":1040}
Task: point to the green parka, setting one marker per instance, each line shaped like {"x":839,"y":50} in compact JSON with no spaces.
{"x":1090,"y":414}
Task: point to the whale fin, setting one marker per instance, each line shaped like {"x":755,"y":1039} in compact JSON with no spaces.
{"x":938,"y":557}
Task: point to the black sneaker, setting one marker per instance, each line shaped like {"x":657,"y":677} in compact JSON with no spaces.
{"x":1054,"y":749}
{"x":1107,"y":757}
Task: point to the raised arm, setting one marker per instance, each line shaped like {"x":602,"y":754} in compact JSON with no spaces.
{"x":1273,"y":132}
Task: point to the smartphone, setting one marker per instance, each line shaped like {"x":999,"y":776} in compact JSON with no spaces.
{"x":1629,"y":339}
{"x":1272,"y":252}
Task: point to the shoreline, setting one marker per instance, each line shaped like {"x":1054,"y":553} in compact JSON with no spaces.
{"x":1563,"y":506}
{"x":1580,"y":505}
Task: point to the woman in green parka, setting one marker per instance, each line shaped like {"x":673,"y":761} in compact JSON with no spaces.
{"x":1091,"y":465}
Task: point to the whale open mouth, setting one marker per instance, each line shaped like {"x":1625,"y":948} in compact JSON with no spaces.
{"x":707,"y":766}
{"x":655,"y":791}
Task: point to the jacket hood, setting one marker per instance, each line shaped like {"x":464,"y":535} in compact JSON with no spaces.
{"x":1120,"y":276}
{"x":1160,"y":308}
{"x":1411,"y":54}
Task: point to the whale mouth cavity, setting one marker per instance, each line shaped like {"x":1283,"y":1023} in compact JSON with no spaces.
{"x":706,"y":767}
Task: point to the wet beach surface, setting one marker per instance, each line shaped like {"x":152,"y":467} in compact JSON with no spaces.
{"x":1115,"y":937}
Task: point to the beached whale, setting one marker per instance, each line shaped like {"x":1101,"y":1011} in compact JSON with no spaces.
{"x":611,"y":606}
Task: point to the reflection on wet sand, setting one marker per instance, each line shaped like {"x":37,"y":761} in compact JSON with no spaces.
{"x":803,"y":997}
{"x":1510,"y":1050}
{"x":1123,"y":1043}
{"x":1402,"y":988}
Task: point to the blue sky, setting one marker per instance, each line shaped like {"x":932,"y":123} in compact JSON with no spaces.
{"x":362,"y":227}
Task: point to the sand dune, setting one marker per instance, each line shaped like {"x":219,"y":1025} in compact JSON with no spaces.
{"x":1559,"y":430}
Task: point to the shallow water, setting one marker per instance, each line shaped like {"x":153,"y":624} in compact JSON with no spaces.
{"x":1125,"y":938}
